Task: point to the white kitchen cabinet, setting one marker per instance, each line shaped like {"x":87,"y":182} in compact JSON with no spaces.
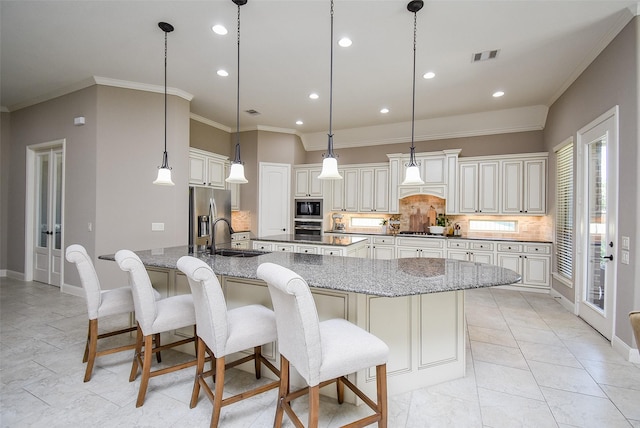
{"x":419,"y":247}
{"x":307,"y":183}
{"x":374,"y":189}
{"x":262,"y":246}
{"x":531,"y":261}
{"x":207,"y":169}
{"x":344,"y":193}
{"x":382,"y":247}
{"x":524,"y":186}
{"x":479,"y":184}
{"x":472,"y":251}
{"x":241,"y":240}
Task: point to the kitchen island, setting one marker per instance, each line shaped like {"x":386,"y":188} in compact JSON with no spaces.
{"x":416,"y":305}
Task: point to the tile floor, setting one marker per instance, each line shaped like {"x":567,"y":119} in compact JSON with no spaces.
{"x":530,"y":363}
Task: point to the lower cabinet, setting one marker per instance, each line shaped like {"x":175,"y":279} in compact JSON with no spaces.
{"x":382,"y":247}
{"x":471,"y":251}
{"x":241,"y":240}
{"x":531,"y":261}
{"x":355,"y":250}
{"x":420,"y":247}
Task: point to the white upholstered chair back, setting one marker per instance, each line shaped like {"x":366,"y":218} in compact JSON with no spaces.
{"x":296,"y":320}
{"x":144,"y":298}
{"x":88,"y":277}
{"x":209,"y":302}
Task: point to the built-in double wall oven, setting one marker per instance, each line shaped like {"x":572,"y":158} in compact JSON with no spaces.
{"x":308,"y":218}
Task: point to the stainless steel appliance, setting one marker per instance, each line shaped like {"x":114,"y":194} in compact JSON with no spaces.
{"x":206,"y":205}
{"x":307,"y":228}
{"x":308,"y":209}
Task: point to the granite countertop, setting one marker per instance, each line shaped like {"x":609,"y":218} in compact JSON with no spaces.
{"x":338,"y":241}
{"x":386,"y":278}
{"x":426,"y":236}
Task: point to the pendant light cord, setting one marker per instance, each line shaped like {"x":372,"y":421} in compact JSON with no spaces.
{"x":238,"y":94}
{"x":164,"y":156}
{"x":412,"y":155}
{"x":330,"y":153}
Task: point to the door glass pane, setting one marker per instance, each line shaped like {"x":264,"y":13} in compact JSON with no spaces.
{"x":42,"y":221}
{"x":58,"y":201}
{"x":597,"y":217}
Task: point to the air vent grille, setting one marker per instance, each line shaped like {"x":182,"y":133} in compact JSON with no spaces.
{"x":484,"y":56}
{"x":252,"y":112}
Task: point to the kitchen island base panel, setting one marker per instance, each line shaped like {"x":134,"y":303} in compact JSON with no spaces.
{"x":425,"y":333}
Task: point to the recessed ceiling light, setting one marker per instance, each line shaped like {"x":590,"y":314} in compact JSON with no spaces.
{"x":384,"y":110}
{"x":299,"y":122}
{"x":314,"y":96}
{"x":222,"y":73}
{"x":498,"y":94}
{"x":219,"y":29}
{"x":345,"y":42}
{"x":429,"y":75}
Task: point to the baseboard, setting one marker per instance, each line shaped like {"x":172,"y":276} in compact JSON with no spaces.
{"x":73,"y":290}
{"x":12,"y":274}
{"x":628,"y":353}
{"x":566,"y":303}
{"x":523,"y":288}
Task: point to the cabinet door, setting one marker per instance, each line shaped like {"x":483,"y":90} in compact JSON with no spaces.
{"x":383,"y":252}
{"x":428,"y":252}
{"x":337,"y":193}
{"x":301,"y":186}
{"x":315,"y":185}
{"x":488,"y":187}
{"x":350,"y":190}
{"x":197,"y":169}
{"x":535,"y":271}
{"x":215,"y":173}
{"x":468,"y":188}
{"x":458,"y":255}
{"x":481,"y":257}
{"x":367,"y":190}
{"x":512,"y":187}
{"x":381,"y":190}
{"x":535,"y":186}
{"x":404,"y":253}
{"x":511,"y":261}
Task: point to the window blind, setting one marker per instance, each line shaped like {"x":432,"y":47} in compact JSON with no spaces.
{"x":564,"y":211}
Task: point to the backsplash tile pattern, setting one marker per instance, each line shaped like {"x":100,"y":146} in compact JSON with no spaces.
{"x":241,"y":220}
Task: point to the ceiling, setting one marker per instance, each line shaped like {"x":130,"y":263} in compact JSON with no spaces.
{"x":49,"y":47}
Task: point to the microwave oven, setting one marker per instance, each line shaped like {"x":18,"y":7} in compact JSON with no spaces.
{"x":308,"y":209}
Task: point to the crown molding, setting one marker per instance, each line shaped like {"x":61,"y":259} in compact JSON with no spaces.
{"x":520,"y":119}
{"x":210,"y":122}
{"x":104,"y":81}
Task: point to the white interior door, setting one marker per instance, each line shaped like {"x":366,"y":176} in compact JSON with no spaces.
{"x":275,"y":200}
{"x":598,"y":154}
{"x":47,"y":246}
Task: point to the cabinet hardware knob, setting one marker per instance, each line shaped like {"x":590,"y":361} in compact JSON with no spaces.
{"x":608,"y":257}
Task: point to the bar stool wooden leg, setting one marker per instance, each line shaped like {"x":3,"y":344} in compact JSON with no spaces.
{"x":217,"y":398}
{"x":146,"y":369}
{"x":86,"y":348}
{"x":381,"y":382}
{"x":199,"y":370}
{"x":257,"y":352}
{"x":157,"y":345}
{"x":92,"y":345}
{"x":340,"y":390}
{"x":314,"y":406}
{"x":136,"y":355}
{"x":282,"y":391}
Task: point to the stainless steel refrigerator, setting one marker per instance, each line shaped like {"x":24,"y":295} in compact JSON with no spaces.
{"x":206,"y":205}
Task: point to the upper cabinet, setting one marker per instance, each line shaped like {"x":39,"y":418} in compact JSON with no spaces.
{"x":206,"y":168}
{"x":508,"y":184}
{"x":479,"y":187}
{"x":524,"y":186}
{"x":374,"y":189}
{"x":344,"y":193}
{"x":307,"y":183}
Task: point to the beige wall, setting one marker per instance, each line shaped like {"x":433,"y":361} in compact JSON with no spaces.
{"x":211,"y":139}
{"x":521,"y":142}
{"x":49,"y":121}
{"x":130,"y":142}
{"x":612,"y":79}
{"x":5,"y":159}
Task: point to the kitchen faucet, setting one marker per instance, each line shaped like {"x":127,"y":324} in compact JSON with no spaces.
{"x":213,"y":232}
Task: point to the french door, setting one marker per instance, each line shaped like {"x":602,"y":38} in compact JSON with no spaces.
{"x":598,"y":158}
{"x":47,"y":226}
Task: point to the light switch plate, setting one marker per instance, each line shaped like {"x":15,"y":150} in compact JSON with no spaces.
{"x":625,"y":243}
{"x":157,"y":227}
{"x":624,"y":257}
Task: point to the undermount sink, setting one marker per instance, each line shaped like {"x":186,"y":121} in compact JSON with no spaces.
{"x":239,"y":253}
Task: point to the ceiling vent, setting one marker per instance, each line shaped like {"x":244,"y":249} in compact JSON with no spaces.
{"x":252,"y":112}
{"x":484,"y":56}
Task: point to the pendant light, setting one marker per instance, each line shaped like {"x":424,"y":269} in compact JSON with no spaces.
{"x":412,"y":174}
{"x":164,"y":171}
{"x":236,"y":173}
{"x":330,"y":164}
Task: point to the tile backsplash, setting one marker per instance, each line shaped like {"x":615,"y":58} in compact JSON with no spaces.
{"x":241,"y":220}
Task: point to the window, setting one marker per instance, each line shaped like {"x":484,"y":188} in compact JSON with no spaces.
{"x":564,"y":210}
{"x":493,"y":226}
